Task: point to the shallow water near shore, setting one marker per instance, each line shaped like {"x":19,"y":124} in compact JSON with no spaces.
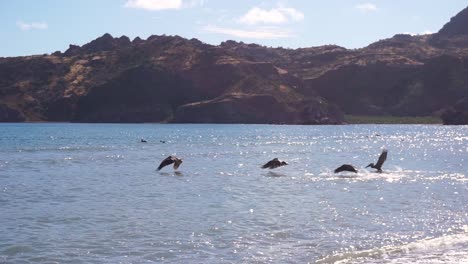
{"x":90,"y":193}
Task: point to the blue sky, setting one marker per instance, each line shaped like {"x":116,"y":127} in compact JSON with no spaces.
{"x":36,"y":27}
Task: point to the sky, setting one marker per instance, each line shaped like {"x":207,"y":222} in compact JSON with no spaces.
{"x":43,"y":26}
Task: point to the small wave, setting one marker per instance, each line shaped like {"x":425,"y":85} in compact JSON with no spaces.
{"x":451,"y":248}
{"x":365,"y":175}
{"x":451,"y":176}
{"x":66,"y":148}
{"x":396,"y":174}
{"x":115,"y":157}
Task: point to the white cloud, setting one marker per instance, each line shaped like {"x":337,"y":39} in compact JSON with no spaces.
{"x":34,"y":25}
{"x":278,"y":15}
{"x":267,"y":33}
{"x":154,"y":5}
{"x":157,"y":5}
{"x":425,"y":32}
{"x":367,"y":7}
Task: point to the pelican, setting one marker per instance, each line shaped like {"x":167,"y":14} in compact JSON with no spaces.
{"x":274,"y":163}
{"x":143,"y":141}
{"x":346,"y":167}
{"x":169,"y":160}
{"x":380,"y":162}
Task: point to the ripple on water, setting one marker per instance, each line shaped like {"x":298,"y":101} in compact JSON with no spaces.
{"x":91,"y":193}
{"x":452,"y":248}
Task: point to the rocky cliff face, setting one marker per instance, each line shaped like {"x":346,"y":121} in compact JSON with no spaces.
{"x":258,"y":108}
{"x":161,"y":79}
{"x":458,"y":25}
{"x":404,"y":75}
{"x":172,"y":79}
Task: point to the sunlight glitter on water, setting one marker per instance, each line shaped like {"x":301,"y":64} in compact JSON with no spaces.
{"x":91,"y":193}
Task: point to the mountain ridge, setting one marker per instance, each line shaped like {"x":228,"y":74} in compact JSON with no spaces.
{"x":173,"y":79}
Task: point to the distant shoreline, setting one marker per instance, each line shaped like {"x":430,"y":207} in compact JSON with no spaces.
{"x":349,"y":120}
{"x":416,"y":120}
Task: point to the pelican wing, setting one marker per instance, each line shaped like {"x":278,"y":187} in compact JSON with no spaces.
{"x":167,"y":161}
{"x":267,"y":165}
{"x":177,"y":163}
{"x":271,"y":163}
{"x":275,"y":165}
{"x":345,"y":167}
{"x":340,"y":169}
{"x":382,"y":159}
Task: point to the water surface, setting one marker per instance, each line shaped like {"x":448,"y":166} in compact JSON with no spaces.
{"x":90,"y":193}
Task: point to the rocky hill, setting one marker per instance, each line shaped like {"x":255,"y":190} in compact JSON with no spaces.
{"x":160,"y":79}
{"x":172,"y":79}
{"x":404,"y":75}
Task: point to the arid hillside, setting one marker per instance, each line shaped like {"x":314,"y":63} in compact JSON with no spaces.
{"x":172,"y":79}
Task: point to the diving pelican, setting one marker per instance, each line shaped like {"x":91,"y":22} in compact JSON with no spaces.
{"x":274,"y":163}
{"x":169,"y":160}
{"x":380,"y":162}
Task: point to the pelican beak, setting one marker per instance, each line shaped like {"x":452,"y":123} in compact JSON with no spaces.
{"x":369,"y":165}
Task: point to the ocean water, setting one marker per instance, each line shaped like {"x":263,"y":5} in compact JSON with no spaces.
{"x":90,"y":193}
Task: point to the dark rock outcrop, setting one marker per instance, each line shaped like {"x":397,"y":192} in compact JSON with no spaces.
{"x":453,"y":117}
{"x":458,"y":25}
{"x":256,"y":108}
{"x":72,"y":50}
{"x":104,"y":43}
{"x":142,"y":94}
{"x":382,"y":89}
{"x":8,"y":114}
{"x":235,"y":108}
{"x":456,"y":115}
